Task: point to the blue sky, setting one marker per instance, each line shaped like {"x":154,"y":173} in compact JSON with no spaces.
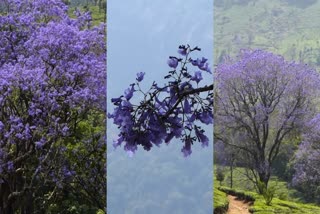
{"x":141,"y":36}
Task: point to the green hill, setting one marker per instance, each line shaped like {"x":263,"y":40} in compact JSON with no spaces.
{"x":275,"y":25}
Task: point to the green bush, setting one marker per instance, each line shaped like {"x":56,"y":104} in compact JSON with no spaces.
{"x":283,"y":196}
{"x":220,"y":175}
{"x":268,"y":193}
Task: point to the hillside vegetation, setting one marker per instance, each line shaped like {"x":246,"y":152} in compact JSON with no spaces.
{"x":285,"y":27}
{"x":286,"y":200}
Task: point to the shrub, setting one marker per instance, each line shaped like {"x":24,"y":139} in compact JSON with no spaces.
{"x":220,"y":175}
{"x":267,"y":193}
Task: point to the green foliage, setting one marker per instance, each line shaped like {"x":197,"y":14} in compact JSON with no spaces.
{"x":241,"y":183}
{"x":282,"y":166}
{"x":278,"y":206}
{"x":72,"y":207}
{"x":220,"y":174}
{"x":267,"y":192}
{"x":283,"y":196}
{"x":284,"y":200}
{"x":278,"y":27}
{"x":98,"y":15}
{"x":220,"y":201}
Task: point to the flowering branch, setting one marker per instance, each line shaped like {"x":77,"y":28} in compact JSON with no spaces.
{"x":169,"y":111}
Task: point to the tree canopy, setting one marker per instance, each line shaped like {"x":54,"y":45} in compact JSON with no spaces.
{"x":52,"y":106}
{"x":262,"y":100}
{"x":307,"y":161}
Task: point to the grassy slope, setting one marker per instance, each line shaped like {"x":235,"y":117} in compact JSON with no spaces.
{"x":220,"y":198}
{"x":285,"y":200}
{"x":292,"y":30}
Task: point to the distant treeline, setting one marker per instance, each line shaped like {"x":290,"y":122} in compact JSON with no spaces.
{"x":4,"y":6}
{"x":296,"y":3}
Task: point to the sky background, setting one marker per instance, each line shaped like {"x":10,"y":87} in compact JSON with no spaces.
{"x":141,"y":35}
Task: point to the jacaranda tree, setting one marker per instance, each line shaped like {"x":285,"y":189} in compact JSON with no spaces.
{"x":307,"y":161}
{"x":52,"y":107}
{"x":263,"y":100}
{"x":175,"y":110}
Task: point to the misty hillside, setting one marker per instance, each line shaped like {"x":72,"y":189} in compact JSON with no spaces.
{"x":286,"y":27}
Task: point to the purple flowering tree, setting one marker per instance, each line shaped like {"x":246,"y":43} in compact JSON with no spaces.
{"x":307,"y":161}
{"x":175,"y":110}
{"x":262,"y":100}
{"x":52,"y":102}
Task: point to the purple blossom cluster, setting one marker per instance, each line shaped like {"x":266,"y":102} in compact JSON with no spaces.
{"x":171,"y":111}
{"x":261,"y":86}
{"x":52,"y":77}
{"x":307,"y":161}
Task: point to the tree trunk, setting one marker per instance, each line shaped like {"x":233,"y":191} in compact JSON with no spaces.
{"x":28,"y":207}
{"x":5,"y":205}
{"x":231,"y":174}
{"x":231,"y":169}
{"x":263,"y":178}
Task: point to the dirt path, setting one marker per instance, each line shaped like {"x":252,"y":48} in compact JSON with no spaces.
{"x":237,"y":207}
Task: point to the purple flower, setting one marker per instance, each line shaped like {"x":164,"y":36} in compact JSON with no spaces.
{"x":169,"y":137}
{"x":165,"y":112}
{"x":140,"y":76}
{"x":1,"y":126}
{"x":198,"y":62}
{"x":39,"y":144}
{"x":201,"y":137}
{"x":128,"y":93}
{"x":206,"y":68}
{"x":205,"y":117}
{"x":10,"y":166}
{"x":65,"y":130}
{"x":186,"y":149}
{"x":173,"y":62}
{"x":197,"y":76}
{"x":202,"y":64}
{"x":186,"y":107}
{"x":116,"y":100}
{"x":182,"y":50}
{"x":126,"y":104}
